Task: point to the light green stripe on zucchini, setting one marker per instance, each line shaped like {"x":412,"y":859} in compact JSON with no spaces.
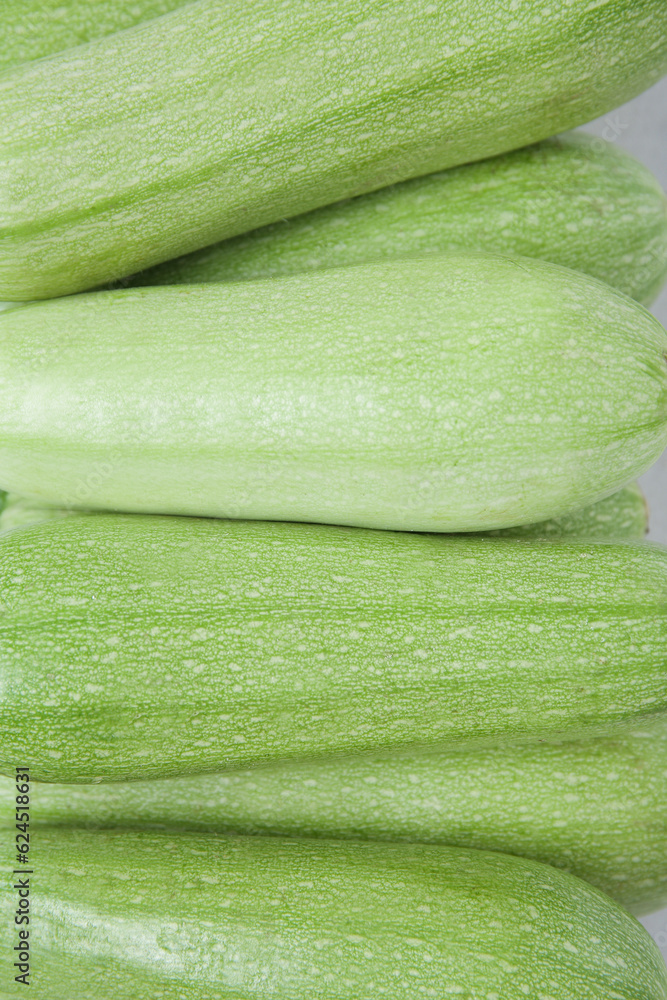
{"x":574,"y":200}
{"x":454,"y":392}
{"x":158,"y":646}
{"x":622,"y":515}
{"x":33,"y":29}
{"x":219,"y":118}
{"x":597,"y":809}
{"x":137,"y":915}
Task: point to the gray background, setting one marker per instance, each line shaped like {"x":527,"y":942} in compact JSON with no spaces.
{"x":641,"y":127}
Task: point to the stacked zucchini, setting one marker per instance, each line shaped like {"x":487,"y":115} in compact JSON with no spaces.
{"x":331,"y":640}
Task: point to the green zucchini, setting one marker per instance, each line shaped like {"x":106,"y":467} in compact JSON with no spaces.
{"x":137,"y":915}
{"x":157,"y":646}
{"x":622,"y":515}
{"x":17,"y":511}
{"x":595,"y":808}
{"x":33,"y":29}
{"x":574,"y":200}
{"x":454,"y":392}
{"x":218,"y":118}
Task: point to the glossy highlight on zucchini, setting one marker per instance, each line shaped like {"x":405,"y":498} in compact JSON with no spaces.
{"x":574,"y":200}
{"x":218,"y":118}
{"x":457,"y":392}
{"x":158,"y":646}
{"x":138,"y":915}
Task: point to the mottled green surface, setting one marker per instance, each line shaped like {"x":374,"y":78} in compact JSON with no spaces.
{"x":32,"y":29}
{"x":156,"y":646}
{"x":194,"y":917}
{"x":622,"y":515}
{"x":574,"y":200}
{"x":16,"y":511}
{"x":453,"y":392}
{"x":221,"y":117}
{"x":596,"y":808}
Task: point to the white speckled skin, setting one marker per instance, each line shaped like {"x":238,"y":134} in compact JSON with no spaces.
{"x":209,"y":122}
{"x":33,"y":29}
{"x":574,"y":200}
{"x":157,"y":646}
{"x":444,"y":393}
{"x":595,"y":808}
{"x":136,"y":915}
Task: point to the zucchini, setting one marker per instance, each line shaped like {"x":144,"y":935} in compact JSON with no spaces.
{"x":17,"y":511}
{"x":595,"y":808}
{"x":444,"y":393}
{"x":185,"y":917}
{"x":33,"y":29}
{"x":157,"y":646}
{"x":622,"y":515}
{"x":213,"y":120}
{"x":574,"y":200}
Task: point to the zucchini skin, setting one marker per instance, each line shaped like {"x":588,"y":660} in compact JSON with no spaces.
{"x":595,"y":808}
{"x":34,"y":29}
{"x":172,"y":646}
{"x":574,"y":200}
{"x":186,"y":917}
{"x":457,"y":392}
{"x":623,"y":515}
{"x":148,"y":144}
{"x":16,"y":511}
